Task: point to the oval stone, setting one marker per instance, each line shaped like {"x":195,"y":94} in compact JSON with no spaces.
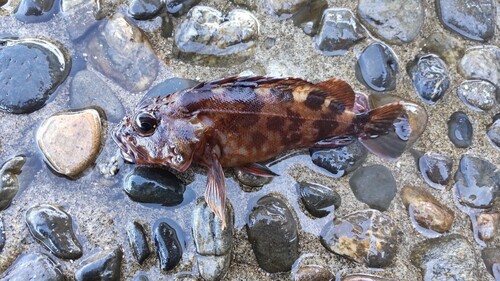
{"x":435,"y":169}
{"x":168,"y":246}
{"x":138,"y":241}
{"x":32,"y":267}
{"x":460,"y":130}
{"x":340,"y":161}
{"x":481,"y":63}
{"x":374,"y":185}
{"x":478,"y":95}
{"x":319,"y":200}
{"x":377,"y":67}
{"x":430,"y":78}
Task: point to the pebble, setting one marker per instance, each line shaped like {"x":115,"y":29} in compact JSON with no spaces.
{"x":87,"y":89}
{"x":185,"y":277}
{"x":426,"y":210}
{"x":104,"y":266}
{"x":250,"y":182}
{"x":30,"y":11}
{"x":285,"y":8}
{"x":309,"y":16}
{"x":3,"y":2}
{"x":168,"y":246}
{"x":473,"y":20}
{"x":273,"y":234}
{"x":122,"y":52}
{"x":374,"y":185}
{"x":448,"y":257}
{"x":30,"y":72}
{"x":32,"y":267}
{"x":210,"y":38}
{"x":481,"y":63}
{"x":141,"y":277}
{"x":319,"y":200}
{"x":340,"y":161}
{"x":53,"y":227}
{"x":80,"y":17}
{"x":435,"y":169}
{"x":138,"y":241}
{"x":71,"y":141}
{"x":170,"y":86}
{"x":460,"y":130}
{"x":154,"y":185}
{"x":338,"y":32}
{"x":310,"y":267}
{"x":2,"y":235}
{"x":145,"y":9}
{"x":377,"y":67}
{"x":494,"y":133}
{"x":478,"y":95}
{"x":9,"y":184}
{"x":445,"y":46}
{"x":213,"y":268}
{"x":491,"y":257}
{"x":366,"y":236}
{"x":397,"y":22}
{"x":364,"y":277}
{"x":180,"y":7}
{"x":487,"y":225}
{"x":430,"y":77}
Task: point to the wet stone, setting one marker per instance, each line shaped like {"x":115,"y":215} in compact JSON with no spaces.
{"x":2,"y":235}
{"x":30,"y":72}
{"x":272,"y":231}
{"x":71,"y":141}
{"x":87,"y":89}
{"x":473,"y":20}
{"x":430,"y":78}
{"x":104,"y":266}
{"x":366,"y":236}
{"x":426,"y":210}
{"x":32,"y":267}
{"x":340,"y":161}
{"x":138,"y":241}
{"x":435,"y":169}
{"x":445,"y":46}
{"x":482,"y":63}
{"x":53,"y":227}
{"x":285,"y":8}
{"x":80,"y":16}
{"x":250,"y":182}
{"x":364,"y":277}
{"x":477,"y":182}
{"x":310,"y":267}
{"x":338,"y":32}
{"x":446,"y":258}
{"x":374,"y":185}
{"x":141,"y":277}
{"x":477,"y":94}
{"x":123,"y":53}
{"x":494,"y":133}
{"x":180,"y":7}
{"x":487,"y":225}
{"x":213,"y":268}
{"x":145,"y":9}
{"x":154,"y":185}
{"x":9,"y":184}
{"x":210,"y":38}
{"x":33,"y":11}
{"x":170,"y":86}
{"x":491,"y":256}
{"x":377,"y":67}
{"x":168,"y":246}
{"x":184,"y":276}
{"x":318,"y":200}
{"x":397,"y":22}
{"x":3,"y":2}
{"x":309,"y":16}
{"x":460,"y":130}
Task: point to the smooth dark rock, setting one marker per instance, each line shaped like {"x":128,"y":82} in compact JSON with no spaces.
{"x":309,"y":16}
{"x":87,"y":89}
{"x":430,"y":78}
{"x":53,"y":227}
{"x":490,"y":256}
{"x":340,"y":161}
{"x":445,"y":46}
{"x":2,"y":234}
{"x":30,"y":72}
{"x":435,"y":169}
{"x":9,"y":184}
{"x":493,"y":133}
{"x":250,"y":182}
{"x":446,"y":258}
{"x":318,"y":200}
{"x":105,"y":266}
{"x":377,"y":67}
{"x":170,"y":86}
{"x":34,"y":266}
{"x":477,"y":182}
{"x":460,"y":130}
{"x":397,"y":22}
{"x":145,"y":9}
{"x":338,"y":32}
{"x":481,"y":63}
{"x":473,"y":20}
{"x":374,"y":185}
{"x":167,"y":27}
{"x":180,"y":7}
{"x":154,"y":185}
{"x":138,"y":241}
{"x":34,"y":11}
{"x":478,"y":95}
{"x":310,"y":267}
{"x":168,"y":246}
{"x":272,"y":231}
{"x":366,"y":236}
{"x":3,"y":2}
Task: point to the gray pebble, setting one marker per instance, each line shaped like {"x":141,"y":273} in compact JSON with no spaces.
{"x":374,"y":185}
{"x":477,"y":94}
{"x":460,"y":130}
{"x":32,"y":267}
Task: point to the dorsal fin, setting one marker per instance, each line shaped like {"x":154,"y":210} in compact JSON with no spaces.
{"x":339,"y":91}
{"x":247,"y":81}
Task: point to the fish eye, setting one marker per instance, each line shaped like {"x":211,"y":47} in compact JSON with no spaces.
{"x":145,"y":123}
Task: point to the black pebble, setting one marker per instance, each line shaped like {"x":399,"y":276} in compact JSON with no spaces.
{"x":138,"y":241}
{"x":167,"y":244}
{"x":460,"y":130}
{"x":145,"y":9}
{"x":33,"y":11}
{"x":103,"y":267}
{"x":319,"y":200}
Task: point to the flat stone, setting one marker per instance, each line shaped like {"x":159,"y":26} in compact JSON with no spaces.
{"x":309,"y":16}
{"x":430,"y":77}
{"x":31,"y":70}
{"x":493,"y":133}
{"x":168,"y":246}
{"x":104,"y":266}
{"x":145,"y":9}
{"x":71,"y":141}
{"x":340,"y":161}
{"x":460,"y":130}
{"x":426,"y":210}
{"x":487,"y":225}
{"x":366,"y":236}
{"x":310,"y":267}
{"x":138,"y":241}
{"x":377,"y":67}
{"x":178,"y":8}
{"x":9,"y":184}
{"x":445,"y":46}
{"x":122,"y":52}
{"x":478,"y":95}
{"x":446,"y":258}
{"x":481,"y":63}
{"x":87,"y":89}
{"x":374,"y":185}
{"x":32,"y":267}
{"x":473,"y":20}
{"x":319,"y":200}
{"x":435,"y":169}
{"x":397,"y":22}
{"x":34,"y":11}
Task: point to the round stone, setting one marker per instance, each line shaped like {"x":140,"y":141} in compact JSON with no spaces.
{"x":478,"y":95}
{"x":487,"y":225}
{"x":377,"y":67}
{"x":430,"y":78}
{"x":34,"y":11}
{"x":491,"y":259}
{"x":145,"y":9}
{"x":435,"y":169}
{"x":318,"y":200}
{"x":460,"y":130}
{"x":105,"y":265}
{"x":70,"y":141}
{"x":374,"y":185}
{"x":482,"y":63}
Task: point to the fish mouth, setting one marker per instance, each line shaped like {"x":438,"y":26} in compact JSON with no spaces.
{"x":125,"y":143}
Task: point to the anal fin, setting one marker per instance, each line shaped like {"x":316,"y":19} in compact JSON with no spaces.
{"x":257,"y":169}
{"x":215,"y":193}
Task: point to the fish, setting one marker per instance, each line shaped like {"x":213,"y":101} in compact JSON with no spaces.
{"x":237,"y":122}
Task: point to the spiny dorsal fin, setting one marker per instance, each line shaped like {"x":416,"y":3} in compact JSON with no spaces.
{"x":338,"y":91}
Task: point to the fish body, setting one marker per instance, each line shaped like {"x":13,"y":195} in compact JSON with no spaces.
{"x":238,"y":121}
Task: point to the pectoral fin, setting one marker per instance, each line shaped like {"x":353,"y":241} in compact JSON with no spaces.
{"x":215,"y":193}
{"x":257,"y":169}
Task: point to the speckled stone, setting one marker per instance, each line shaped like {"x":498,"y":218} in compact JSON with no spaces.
{"x":478,"y":95}
{"x":106,"y":265}
{"x":445,"y":46}
{"x":374,"y":185}
{"x":81,"y":16}
{"x":32,"y":267}
{"x":435,"y":169}
{"x":482,"y":63}
{"x":377,"y":67}
{"x":430,"y":77}
{"x":460,"y":130}
{"x":9,"y":183}
{"x":340,"y":161}
{"x":310,"y":267}
{"x":487,"y":225}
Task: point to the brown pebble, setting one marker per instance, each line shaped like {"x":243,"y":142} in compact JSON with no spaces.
{"x":487,"y":225}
